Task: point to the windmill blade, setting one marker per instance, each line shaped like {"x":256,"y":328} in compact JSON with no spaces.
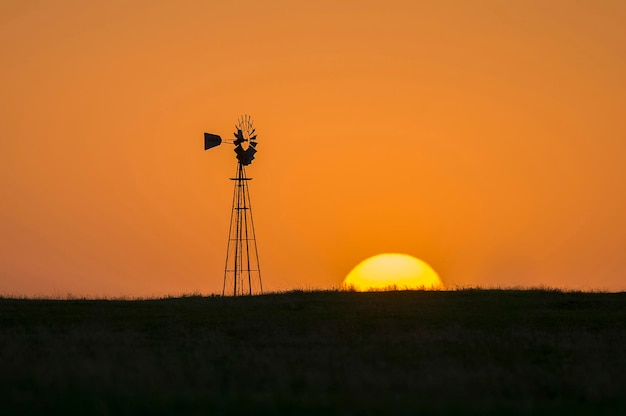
{"x":245,"y":157}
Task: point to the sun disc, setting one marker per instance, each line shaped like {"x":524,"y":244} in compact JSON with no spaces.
{"x":392,"y":272}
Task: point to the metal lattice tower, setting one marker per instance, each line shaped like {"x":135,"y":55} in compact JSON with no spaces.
{"x":242,"y":273}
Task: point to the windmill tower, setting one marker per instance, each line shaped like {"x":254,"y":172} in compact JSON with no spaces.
{"x":242,"y":274}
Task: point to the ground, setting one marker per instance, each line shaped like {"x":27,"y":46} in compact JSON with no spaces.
{"x":453,"y":352}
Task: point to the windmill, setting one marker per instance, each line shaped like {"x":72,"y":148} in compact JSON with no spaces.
{"x":242,"y":274}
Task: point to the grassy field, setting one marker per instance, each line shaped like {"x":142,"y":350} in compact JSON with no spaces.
{"x":458,"y":352}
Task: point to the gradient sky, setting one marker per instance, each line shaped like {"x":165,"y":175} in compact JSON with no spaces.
{"x":487,"y":138}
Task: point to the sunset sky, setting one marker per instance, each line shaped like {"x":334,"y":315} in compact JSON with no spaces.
{"x":487,"y":138}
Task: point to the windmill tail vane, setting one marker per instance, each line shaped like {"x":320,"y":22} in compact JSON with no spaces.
{"x":242,"y":273}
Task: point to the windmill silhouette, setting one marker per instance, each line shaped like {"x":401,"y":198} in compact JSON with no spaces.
{"x":242,"y":273}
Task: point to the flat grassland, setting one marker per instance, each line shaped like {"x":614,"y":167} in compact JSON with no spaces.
{"x":456,"y":352}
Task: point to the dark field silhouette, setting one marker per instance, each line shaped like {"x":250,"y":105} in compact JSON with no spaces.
{"x":459,"y":352}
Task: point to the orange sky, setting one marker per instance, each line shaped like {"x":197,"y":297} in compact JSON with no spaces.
{"x":487,"y":138}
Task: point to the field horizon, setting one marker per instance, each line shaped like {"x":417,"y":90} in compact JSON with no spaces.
{"x":198,"y":294}
{"x":464,"y":351}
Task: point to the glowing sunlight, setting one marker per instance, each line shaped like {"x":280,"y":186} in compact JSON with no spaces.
{"x":392,"y":272}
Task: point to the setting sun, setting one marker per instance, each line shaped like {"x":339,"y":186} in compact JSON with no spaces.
{"x":392,"y":271}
